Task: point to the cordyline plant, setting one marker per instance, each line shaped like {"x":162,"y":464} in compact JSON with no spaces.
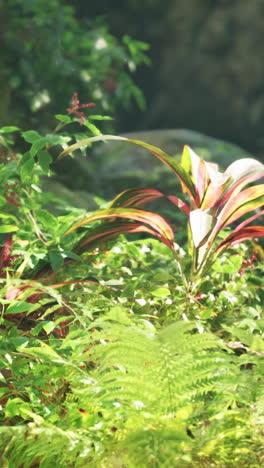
{"x":216,"y":200}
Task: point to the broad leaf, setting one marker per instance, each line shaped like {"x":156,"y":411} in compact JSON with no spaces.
{"x":242,"y":235}
{"x":216,"y":187}
{"x":165,"y":158}
{"x":236,"y":187}
{"x":242,"y":203}
{"x":18,"y":307}
{"x":56,"y":259}
{"x":135,"y":198}
{"x":6,"y":228}
{"x":138,"y":197}
{"x":9,"y":129}
{"x":201,"y":224}
{"x":249,"y":220}
{"x":107,"y":231}
{"x":155,"y":221}
{"x":242,"y":167}
{"x":198,"y":169}
{"x":161,"y":292}
{"x":179,"y":203}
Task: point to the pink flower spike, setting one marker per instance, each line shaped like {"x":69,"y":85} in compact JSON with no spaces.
{"x":76,"y":106}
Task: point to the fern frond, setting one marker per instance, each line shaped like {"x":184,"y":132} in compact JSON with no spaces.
{"x":45,"y":446}
{"x":139,"y":398}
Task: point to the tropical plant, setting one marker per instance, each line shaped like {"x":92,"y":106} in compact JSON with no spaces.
{"x":216,"y":200}
{"x":101,"y":362}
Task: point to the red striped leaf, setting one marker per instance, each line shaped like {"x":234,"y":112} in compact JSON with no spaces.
{"x":240,"y":204}
{"x":236,"y":187}
{"x":135,"y":197}
{"x":198,"y":168}
{"x":138,"y":197}
{"x":108,"y":231}
{"x":161,"y":155}
{"x":249,"y":220}
{"x":153,"y":220}
{"x":242,"y":235}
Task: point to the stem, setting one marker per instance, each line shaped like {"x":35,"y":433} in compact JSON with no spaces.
{"x":58,"y":127}
{"x":37,"y":230}
{"x":178,"y":262}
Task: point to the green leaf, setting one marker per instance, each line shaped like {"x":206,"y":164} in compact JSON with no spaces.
{"x":43,"y":352}
{"x":257,"y":344}
{"x":56,"y":259}
{"x":8,"y":216}
{"x":13,"y":407}
{"x":163,"y":276}
{"x":100,"y":117}
{"x":205,"y":313}
{"x":37,"y":145}
{"x":9,"y":129}
{"x":26,"y":167}
{"x":8,"y":228}
{"x":186,"y":159}
{"x":230,"y":265}
{"x":133,"y":250}
{"x":2,"y":200}
{"x":30,"y":136}
{"x":92,"y":127}
{"x":44,"y":160}
{"x":49,"y":326}
{"x":72,"y":255}
{"x":63,"y":118}
{"x":17,"y":307}
{"x":37,"y":329}
{"x":57,"y":139}
{"x":48,"y":220}
{"x":161,"y":292}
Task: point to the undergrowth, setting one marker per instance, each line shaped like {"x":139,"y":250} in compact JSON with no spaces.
{"x":105,"y":360}
{"x":133,"y":383}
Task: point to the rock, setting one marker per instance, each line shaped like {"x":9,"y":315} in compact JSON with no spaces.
{"x":63,"y":195}
{"x":112,"y":167}
{"x":206,"y":72}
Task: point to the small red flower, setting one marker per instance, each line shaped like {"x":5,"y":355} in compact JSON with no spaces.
{"x":81,"y":410}
{"x":76,"y":106}
{"x":11,"y":195}
{"x":249,"y":263}
{"x":5,"y":255}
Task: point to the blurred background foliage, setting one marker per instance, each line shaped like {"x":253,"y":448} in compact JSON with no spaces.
{"x":48,"y":53}
{"x":206,"y":71}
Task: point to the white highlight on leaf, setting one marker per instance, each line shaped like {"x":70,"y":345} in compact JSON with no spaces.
{"x":217,"y":178}
{"x":141,"y":302}
{"x":138,"y":404}
{"x":201,"y":224}
{"x":117,"y":404}
{"x":242,"y":167}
